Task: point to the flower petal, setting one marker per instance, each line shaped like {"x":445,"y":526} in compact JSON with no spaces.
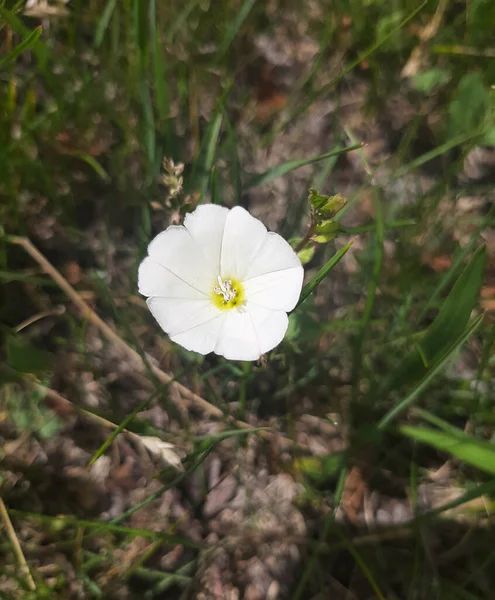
{"x":206,"y":226}
{"x":275,"y":255}
{"x":279,"y":290}
{"x":202,"y":338}
{"x":238,"y":339}
{"x":242,"y":238}
{"x":250,"y":332}
{"x":176,"y":250}
{"x":270,"y":325}
{"x":156,"y":280}
{"x":177,"y":315}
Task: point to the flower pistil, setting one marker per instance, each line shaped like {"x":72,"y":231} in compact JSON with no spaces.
{"x":228,"y":293}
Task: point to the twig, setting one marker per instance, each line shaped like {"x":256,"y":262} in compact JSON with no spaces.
{"x":88,"y":313}
{"x":417,"y":57}
{"x":4,"y":516}
{"x":307,"y":236}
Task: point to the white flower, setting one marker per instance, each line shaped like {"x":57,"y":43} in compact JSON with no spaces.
{"x":221,"y":283}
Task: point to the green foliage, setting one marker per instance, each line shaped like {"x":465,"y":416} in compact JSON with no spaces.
{"x":26,"y":358}
{"x":29,"y":41}
{"x":456,"y":443}
{"x":325,"y":207}
{"x":89,"y":109}
{"x":469,"y":106}
{"x":431,"y":80}
{"x":448,"y":326}
{"x":310,"y":287}
{"x":320,"y":470}
{"x":30,"y":415}
{"x":283,"y":169}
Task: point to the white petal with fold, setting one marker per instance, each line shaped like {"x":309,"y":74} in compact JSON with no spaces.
{"x":176,"y":250}
{"x":242,"y":238}
{"x":156,"y":280}
{"x":270,"y":325}
{"x":279,"y":290}
{"x":206,"y":226}
{"x":178,"y":316}
{"x":274,"y":255}
{"x":202,"y":338}
{"x":238,"y":339}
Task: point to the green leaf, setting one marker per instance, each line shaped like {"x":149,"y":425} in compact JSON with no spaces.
{"x":326,"y":231}
{"x":457,"y":308}
{"x":467,"y":448}
{"x":387,"y":25}
{"x":319,"y":469}
{"x":306,"y":254}
{"x":40,"y":50}
{"x":209,"y":143}
{"x":28,"y":42}
{"x":25,"y":358}
{"x":325,"y":207}
{"x":285,"y":168}
{"x":304,"y":328}
{"x":234,"y":27}
{"x":448,"y":325}
{"x":469,"y":106}
{"x":421,"y":386}
{"x":103,"y":22}
{"x":95,"y":165}
{"x":431,"y":79}
{"x":51,"y":424}
{"x":310,"y":287}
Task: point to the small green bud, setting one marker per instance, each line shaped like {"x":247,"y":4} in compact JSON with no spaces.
{"x":306,"y":254}
{"x":325,"y":207}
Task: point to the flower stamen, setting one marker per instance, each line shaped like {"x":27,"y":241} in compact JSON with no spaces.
{"x":225,"y":289}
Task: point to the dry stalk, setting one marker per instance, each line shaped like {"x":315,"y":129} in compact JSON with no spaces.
{"x":4,"y":516}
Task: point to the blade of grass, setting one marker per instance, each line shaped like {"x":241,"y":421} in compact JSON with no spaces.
{"x":103,"y":22}
{"x":434,"y":370}
{"x":370,"y":297}
{"x":41,"y":51}
{"x":228,"y":434}
{"x":28,"y":42}
{"x":130,"y":417}
{"x":466,"y":448}
{"x":327,"y":526}
{"x":442,"y":149}
{"x":285,"y":168}
{"x":169,"y":486}
{"x":362,"y":565}
{"x":390,"y":225}
{"x":210,"y":151}
{"x":456,"y":265}
{"x":8,"y":276}
{"x":180,"y":20}
{"x":234,"y":158}
{"x":162,"y":95}
{"x":234,"y":27}
{"x":62,"y":520}
{"x":95,"y":165}
{"x":310,"y":287}
{"x":449,"y":324}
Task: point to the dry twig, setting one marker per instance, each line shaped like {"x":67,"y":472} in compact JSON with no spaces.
{"x":106,"y":330}
{"x":4,"y":516}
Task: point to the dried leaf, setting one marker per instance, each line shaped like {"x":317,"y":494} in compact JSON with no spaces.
{"x":162,"y":450}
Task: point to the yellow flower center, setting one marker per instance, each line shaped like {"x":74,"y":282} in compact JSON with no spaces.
{"x":228,"y":293}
